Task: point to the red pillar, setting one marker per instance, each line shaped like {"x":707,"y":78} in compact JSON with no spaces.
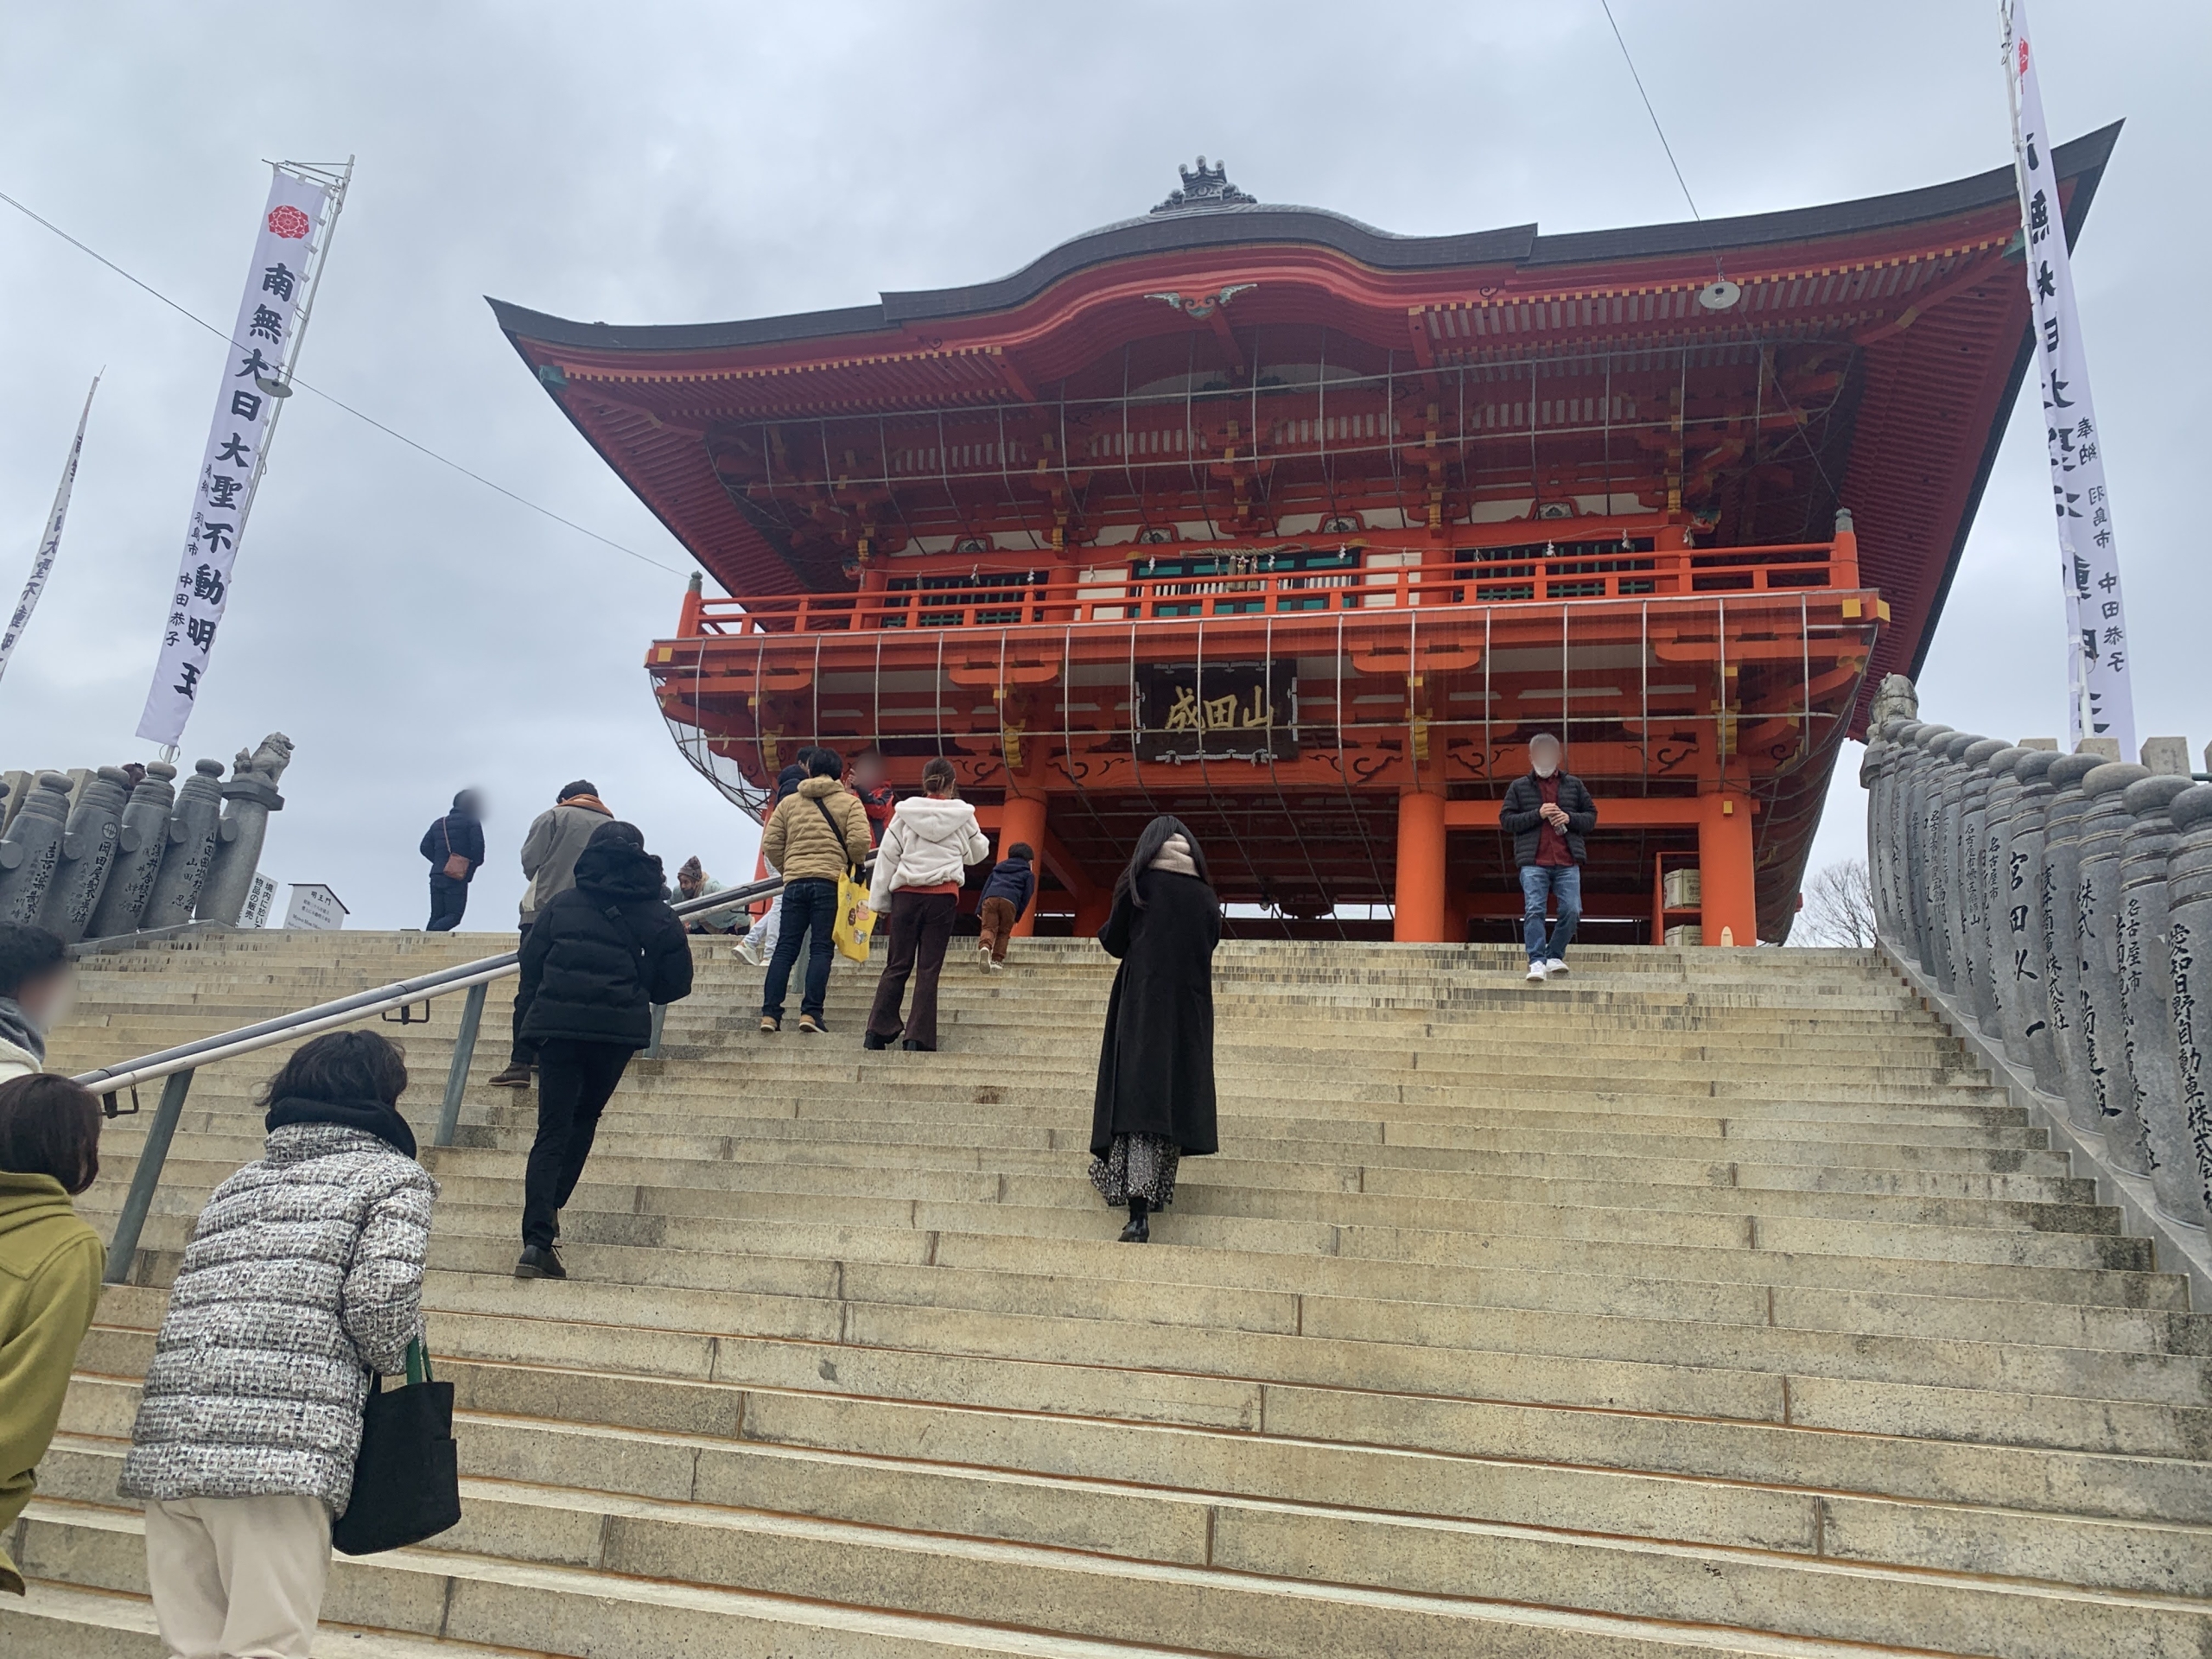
{"x":1420,"y":870}
{"x":1092,"y":910}
{"x":1022,"y":818}
{"x":1730,"y":914}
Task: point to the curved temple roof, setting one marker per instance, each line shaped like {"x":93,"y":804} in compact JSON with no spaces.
{"x":1260,"y":225}
{"x":1918,"y":295}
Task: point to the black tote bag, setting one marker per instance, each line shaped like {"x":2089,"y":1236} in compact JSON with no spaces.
{"x":406,"y":1479}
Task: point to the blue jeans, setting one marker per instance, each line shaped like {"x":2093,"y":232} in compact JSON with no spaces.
{"x":809,"y":914}
{"x":1541,"y":883}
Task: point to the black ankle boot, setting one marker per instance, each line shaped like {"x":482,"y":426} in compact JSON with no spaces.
{"x":1139,"y":1231}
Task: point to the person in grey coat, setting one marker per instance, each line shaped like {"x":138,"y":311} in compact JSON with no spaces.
{"x":557,"y":839}
{"x":302,"y":1279}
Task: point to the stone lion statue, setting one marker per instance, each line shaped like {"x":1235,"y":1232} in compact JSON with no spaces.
{"x":266,"y":763}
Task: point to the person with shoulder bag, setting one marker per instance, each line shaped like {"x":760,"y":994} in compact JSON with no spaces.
{"x":301,"y":1282}
{"x":919,"y":870}
{"x":455,"y":846}
{"x":815,"y":836}
{"x":600,"y":955}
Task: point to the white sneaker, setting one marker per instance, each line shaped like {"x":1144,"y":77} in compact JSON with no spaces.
{"x":1555,"y":966}
{"x":983,"y":955}
{"x":747,"y":951}
{"x":1536,"y":971}
{"x":996,"y":967}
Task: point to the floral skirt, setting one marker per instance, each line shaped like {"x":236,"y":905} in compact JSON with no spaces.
{"x":1137,"y":1167}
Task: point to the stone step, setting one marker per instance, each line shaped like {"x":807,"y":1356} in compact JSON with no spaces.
{"x":682,"y":1395}
{"x":432,"y":1602}
{"x":1278,"y":1255}
{"x":985,"y":1544}
{"x":58,"y":1621}
{"x":498,"y":1153}
{"x":1628,"y":1366}
{"x":798,"y":1293}
{"x":2079,"y":1237}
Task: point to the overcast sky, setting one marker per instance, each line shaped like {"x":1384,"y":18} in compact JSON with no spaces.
{"x":413,"y":632}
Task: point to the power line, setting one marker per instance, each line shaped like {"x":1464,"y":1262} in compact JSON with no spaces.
{"x":1653,"y":113}
{"x":332,"y":398}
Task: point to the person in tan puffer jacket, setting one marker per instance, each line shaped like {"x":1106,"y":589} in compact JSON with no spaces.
{"x":813,"y":837}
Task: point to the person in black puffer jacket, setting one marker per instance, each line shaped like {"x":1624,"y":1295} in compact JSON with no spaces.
{"x":600,"y":956}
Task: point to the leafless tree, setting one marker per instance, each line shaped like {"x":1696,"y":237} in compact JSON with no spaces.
{"x":1839,"y":907}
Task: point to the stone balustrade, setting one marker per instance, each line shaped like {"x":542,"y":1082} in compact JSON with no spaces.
{"x":94,"y":855}
{"x":2060,"y":907}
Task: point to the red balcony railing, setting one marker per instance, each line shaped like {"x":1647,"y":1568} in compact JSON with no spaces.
{"x":1014,"y":599}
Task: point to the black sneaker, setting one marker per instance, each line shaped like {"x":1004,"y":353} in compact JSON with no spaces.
{"x":809,"y":1024}
{"x":873,"y":1043}
{"x":913,"y":1048}
{"x":538,"y":1262}
{"x":517,"y":1076}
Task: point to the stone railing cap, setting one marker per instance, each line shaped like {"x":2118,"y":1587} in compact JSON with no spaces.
{"x":2067,"y":770}
{"x":2150,"y":797}
{"x":2032,"y":766}
{"x":1957,"y":743}
{"x":1928,"y":736}
{"x":1999,"y":764}
{"x":1977,"y":753}
{"x":115,"y":775}
{"x":208,"y":768}
{"x":2191,"y":807}
{"x":2110,"y":776}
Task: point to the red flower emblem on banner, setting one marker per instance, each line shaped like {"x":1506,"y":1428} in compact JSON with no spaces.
{"x":2023,"y":58}
{"x":290,"y":223}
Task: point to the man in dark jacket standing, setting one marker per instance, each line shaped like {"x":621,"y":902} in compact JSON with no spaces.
{"x":454,"y":843}
{"x":1548,"y":813}
{"x":600,"y":955}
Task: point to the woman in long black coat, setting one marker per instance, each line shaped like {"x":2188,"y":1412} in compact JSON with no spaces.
{"x":1155,"y":1100}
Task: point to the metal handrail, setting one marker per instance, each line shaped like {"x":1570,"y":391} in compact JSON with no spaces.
{"x":176,"y":1065}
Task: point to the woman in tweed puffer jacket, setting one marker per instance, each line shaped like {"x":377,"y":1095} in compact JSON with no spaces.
{"x":303,"y":1276}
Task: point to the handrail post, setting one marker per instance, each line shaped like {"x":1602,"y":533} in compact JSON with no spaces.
{"x":464,"y":1054}
{"x":148,"y":1176}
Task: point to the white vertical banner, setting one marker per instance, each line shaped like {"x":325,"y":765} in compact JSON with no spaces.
{"x":2100,"y":689}
{"x":255,"y":375}
{"x":48,"y":544}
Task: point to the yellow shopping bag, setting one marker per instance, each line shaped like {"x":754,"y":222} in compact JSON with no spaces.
{"x":856,"y":920}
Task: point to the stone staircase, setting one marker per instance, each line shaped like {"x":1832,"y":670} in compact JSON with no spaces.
{"x":1708,"y":1300}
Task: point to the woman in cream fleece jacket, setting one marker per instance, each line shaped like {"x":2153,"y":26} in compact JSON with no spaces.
{"x":932,"y":840}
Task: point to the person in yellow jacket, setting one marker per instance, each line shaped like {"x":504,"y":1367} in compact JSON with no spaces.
{"x":50,"y":1267}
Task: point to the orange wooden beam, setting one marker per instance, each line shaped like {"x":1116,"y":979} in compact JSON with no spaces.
{"x":1614,"y":812}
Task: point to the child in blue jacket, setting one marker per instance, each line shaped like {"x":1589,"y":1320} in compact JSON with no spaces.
{"x":1005,"y":897}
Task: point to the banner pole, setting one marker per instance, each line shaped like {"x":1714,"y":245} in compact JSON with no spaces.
{"x":49,"y":546}
{"x":280,"y":388}
{"x":295,"y":228}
